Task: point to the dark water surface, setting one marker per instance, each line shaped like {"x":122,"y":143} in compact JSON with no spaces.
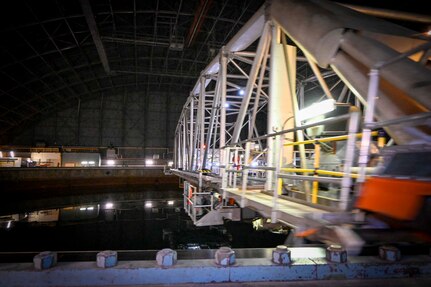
{"x":120,"y":220}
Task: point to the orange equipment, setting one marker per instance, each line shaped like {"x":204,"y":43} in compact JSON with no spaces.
{"x":400,"y":199}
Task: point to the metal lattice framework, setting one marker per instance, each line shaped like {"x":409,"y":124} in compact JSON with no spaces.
{"x":219,"y":123}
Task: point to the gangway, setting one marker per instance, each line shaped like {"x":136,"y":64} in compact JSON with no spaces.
{"x":251,"y":112}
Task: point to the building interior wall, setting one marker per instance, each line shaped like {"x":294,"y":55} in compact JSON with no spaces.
{"x":129,"y":119}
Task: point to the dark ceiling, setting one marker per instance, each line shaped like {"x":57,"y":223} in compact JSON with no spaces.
{"x":49,"y":57}
{"x":56,"y":52}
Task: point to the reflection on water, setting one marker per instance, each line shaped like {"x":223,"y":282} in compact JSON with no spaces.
{"x":122,"y":221}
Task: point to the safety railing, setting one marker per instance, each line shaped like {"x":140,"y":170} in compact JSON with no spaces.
{"x":373,"y":92}
{"x":196,"y":203}
{"x":236,"y":175}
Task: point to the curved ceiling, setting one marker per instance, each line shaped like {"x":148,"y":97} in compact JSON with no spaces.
{"x":56,"y":52}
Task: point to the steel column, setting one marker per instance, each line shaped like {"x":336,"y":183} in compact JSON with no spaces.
{"x":346,"y":182}
{"x":202,"y":120}
{"x":251,"y":82}
{"x":191,"y":130}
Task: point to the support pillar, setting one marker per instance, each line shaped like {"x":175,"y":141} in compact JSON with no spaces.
{"x":280,"y":106}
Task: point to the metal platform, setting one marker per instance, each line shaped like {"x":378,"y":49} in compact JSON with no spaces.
{"x":292,"y":213}
{"x":295,"y":214}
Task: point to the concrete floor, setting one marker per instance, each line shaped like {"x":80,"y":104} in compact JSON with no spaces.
{"x":399,"y":282}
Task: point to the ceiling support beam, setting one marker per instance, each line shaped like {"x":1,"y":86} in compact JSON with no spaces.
{"x":91,"y":22}
{"x":200,"y":14}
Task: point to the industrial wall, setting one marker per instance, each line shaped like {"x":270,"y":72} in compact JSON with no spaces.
{"x":131,"y":119}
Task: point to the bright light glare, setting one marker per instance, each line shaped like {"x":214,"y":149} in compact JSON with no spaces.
{"x":82,"y":208}
{"x":254,"y":163}
{"x":148,"y":204}
{"x":241,"y":92}
{"x":1,"y":154}
{"x":170,"y":202}
{"x":171,"y":163}
{"x":109,"y":205}
{"x":8,"y":224}
{"x":149,"y":162}
{"x":92,"y":162}
{"x":90,"y":208}
{"x":12,"y":154}
{"x":316,"y":109}
{"x":226,"y":105}
{"x":110,"y":162}
{"x":84,"y":162}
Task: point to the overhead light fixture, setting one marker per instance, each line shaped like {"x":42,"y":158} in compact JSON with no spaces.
{"x":110,"y":162}
{"x":148,"y":204}
{"x":84,"y":162}
{"x":226,"y":105}
{"x":171,"y":202}
{"x":1,"y":154}
{"x":90,"y":208}
{"x":170,"y":163}
{"x":241,"y":92}
{"x":149,"y":162}
{"x":316,"y":109}
{"x":82,"y":208}
{"x":109,"y":205}
{"x":9,"y":224}
{"x":12,"y":154}
{"x":91,"y":162}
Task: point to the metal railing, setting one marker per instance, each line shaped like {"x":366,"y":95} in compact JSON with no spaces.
{"x":194,"y":201}
{"x":235,"y":173}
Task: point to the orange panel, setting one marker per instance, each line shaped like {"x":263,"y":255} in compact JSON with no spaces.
{"x":396,"y":198}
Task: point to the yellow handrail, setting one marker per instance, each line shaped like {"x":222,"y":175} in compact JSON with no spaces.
{"x":319,"y":171}
{"x":328,"y":139}
{"x":315,"y":190}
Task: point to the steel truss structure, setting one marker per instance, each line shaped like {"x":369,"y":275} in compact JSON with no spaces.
{"x":241,"y":119}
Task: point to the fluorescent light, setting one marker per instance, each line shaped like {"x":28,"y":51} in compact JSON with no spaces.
{"x":171,"y":202}
{"x":110,"y":162}
{"x":84,"y":162}
{"x":170,"y":163}
{"x":12,"y":154}
{"x":82,"y":208}
{"x":316,"y":109}
{"x":9,"y":224}
{"x":148,"y":204}
{"x":149,"y":162}
{"x":109,"y":205}
{"x":92,"y":162}
{"x":90,"y":208}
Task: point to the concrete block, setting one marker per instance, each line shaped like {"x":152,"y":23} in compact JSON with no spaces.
{"x":281,"y":255}
{"x":336,"y":253}
{"x":166,"y":257}
{"x":107,"y":259}
{"x":45,"y":260}
{"x":389,"y":253}
{"x":225,"y":256}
